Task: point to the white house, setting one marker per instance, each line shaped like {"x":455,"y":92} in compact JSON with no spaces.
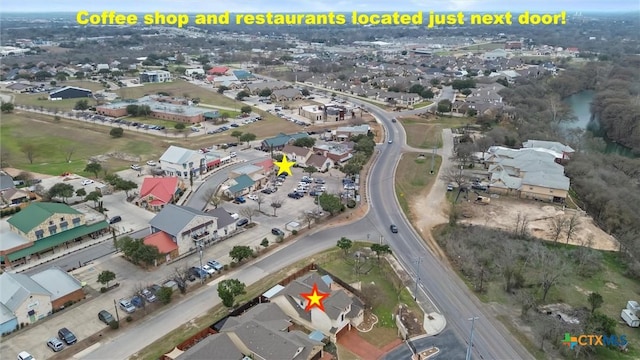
{"x":183,"y":163}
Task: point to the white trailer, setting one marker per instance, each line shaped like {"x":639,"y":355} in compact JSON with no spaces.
{"x":630,"y":318}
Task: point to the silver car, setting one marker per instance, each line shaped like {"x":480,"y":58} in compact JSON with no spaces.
{"x":127,"y":306}
{"x":55,"y":344}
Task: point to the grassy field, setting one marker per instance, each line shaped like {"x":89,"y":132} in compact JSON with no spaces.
{"x":489,"y":46}
{"x":385,"y":331}
{"x":427,"y":133}
{"x":180,"y":88}
{"x":52,"y":141}
{"x":422,"y":104}
{"x":413,"y":177}
{"x":42,"y":100}
{"x":91,"y":85}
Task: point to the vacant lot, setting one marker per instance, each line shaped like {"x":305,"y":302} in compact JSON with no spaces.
{"x":414,"y":180}
{"x":52,"y":142}
{"x":426,"y":132}
{"x":489,"y":46}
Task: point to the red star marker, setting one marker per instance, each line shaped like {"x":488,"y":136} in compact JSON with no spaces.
{"x":314,"y":298}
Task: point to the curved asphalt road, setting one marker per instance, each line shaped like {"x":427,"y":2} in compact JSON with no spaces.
{"x":449,"y":293}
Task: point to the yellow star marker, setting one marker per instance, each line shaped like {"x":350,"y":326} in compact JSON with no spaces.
{"x":284,"y":166}
{"x":315,"y":298}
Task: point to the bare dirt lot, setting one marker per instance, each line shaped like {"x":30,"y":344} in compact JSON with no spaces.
{"x":503,"y":213}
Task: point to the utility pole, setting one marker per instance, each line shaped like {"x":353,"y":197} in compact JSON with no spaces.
{"x":200,"y":249}
{"x":415,"y":292}
{"x":473,"y":322}
{"x":116,"y":307}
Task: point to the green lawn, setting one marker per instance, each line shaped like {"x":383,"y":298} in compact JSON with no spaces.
{"x":41,"y":101}
{"x":53,"y":140}
{"x":422,"y":104}
{"x":413,"y":177}
{"x":490,"y":46}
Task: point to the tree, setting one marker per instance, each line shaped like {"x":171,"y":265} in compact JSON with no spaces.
{"x":241,"y":95}
{"x":309,"y":217}
{"x":306,"y":142}
{"x":236,"y":134}
{"x":211,"y":198}
{"x":344,"y":244}
{"x":6,"y":107}
{"x":260,"y":199}
{"x":164,"y":295}
{"x":276,"y":204}
{"x":595,"y":301}
{"x":181,"y":275}
{"x":454,"y":175}
{"x":82,"y":104}
{"x":116,"y":132}
{"x":137,"y":251}
{"x":573,"y":226}
{"x":240,"y":252}
{"x":229,"y":289}
{"x":179,"y":126}
{"x":106,"y":276}
{"x":558,"y":224}
{"x":380,"y":250}
{"x":264,"y":243}
{"x":310,"y":170}
{"x":93,"y":196}
{"x":247,"y":137}
{"x":330,"y":203}
{"x":29,"y":150}
{"x":222,"y":89}
{"x":249,"y":212}
{"x":94,"y":168}
{"x":444,"y":106}
{"x":126,"y":186}
{"x":551,"y":269}
{"x":61,"y":190}
{"x":264,"y":93}
{"x":81,"y":192}
{"x":246,"y":109}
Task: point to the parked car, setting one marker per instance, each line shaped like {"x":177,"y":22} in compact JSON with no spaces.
{"x":253,"y":197}
{"x":137,"y":301}
{"x":478,"y":186}
{"x":136,"y":167}
{"x":148,"y":295}
{"x":105,"y":317}
{"x":319,"y":181}
{"x":449,"y":187}
{"x":67,"y":336}
{"x":277,"y":232}
{"x":295,"y":195}
{"x":240,"y":200}
{"x":208,"y":269}
{"x":393,"y":228}
{"x":267,"y":191}
{"x":197,"y":272}
{"x":216,"y":265}
{"x":55,"y":344}
{"x":87,"y":182}
{"x":152,"y":163}
{"x":127,"y":306}
{"x":242,"y":222}
{"x":115,"y":219}
{"x":23,"y":355}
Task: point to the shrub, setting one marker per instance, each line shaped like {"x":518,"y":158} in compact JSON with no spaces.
{"x":114,"y":324}
{"x":351,"y":204}
{"x":226,"y":267}
{"x":233,"y":264}
{"x":116,"y":132}
{"x":294,"y":232}
{"x":265,"y":242}
{"x":103,"y":289}
{"x":129,"y":318}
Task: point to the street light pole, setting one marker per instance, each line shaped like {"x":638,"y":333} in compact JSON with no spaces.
{"x":473,"y":321}
{"x":415,"y":292}
{"x":200,"y":247}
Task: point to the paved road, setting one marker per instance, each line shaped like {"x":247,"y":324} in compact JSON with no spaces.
{"x":446,"y":342}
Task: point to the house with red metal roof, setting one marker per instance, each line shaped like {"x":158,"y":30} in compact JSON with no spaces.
{"x":165,"y":244}
{"x":218,"y":70}
{"x":156,"y":192}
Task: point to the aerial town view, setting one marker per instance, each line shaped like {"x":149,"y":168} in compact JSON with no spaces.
{"x":199,"y":180}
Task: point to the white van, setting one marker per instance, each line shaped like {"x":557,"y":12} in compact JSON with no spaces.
{"x":630,"y":318}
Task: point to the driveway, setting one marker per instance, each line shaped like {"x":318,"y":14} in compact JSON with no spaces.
{"x":448,"y":344}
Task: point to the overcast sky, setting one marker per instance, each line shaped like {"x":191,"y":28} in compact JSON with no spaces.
{"x":212,"y":6}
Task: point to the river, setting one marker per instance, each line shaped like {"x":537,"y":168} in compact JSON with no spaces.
{"x":580,"y":103}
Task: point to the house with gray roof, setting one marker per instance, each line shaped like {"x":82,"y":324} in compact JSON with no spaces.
{"x":562,"y":151}
{"x":186,"y":226}
{"x":8,"y":321}
{"x":27,"y":300}
{"x":183,"y":163}
{"x":530,"y":173}
{"x":61,"y":285}
{"x":263,"y":332}
{"x":285,"y":95}
{"x":341,"y":309}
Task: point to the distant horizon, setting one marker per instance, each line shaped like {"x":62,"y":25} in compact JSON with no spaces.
{"x":306,"y":6}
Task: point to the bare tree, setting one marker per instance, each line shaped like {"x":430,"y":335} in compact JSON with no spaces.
{"x":573,"y":225}
{"x":69,"y":150}
{"x":137,"y":291}
{"x":260,"y":199}
{"x":181,"y":274}
{"x":550,"y":266}
{"x":249,"y":212}
{"x":309,"y":217}
{"x":558,"y":224}
{"x":527,"y":302}
{"x":29,"y":150}
{"x":547,"y":328}
{"x":507,"y":261}
{"x":5,"y":155}
{"x":484,"y":143}
{"x":454,"y":175}
{"x":211,"y":198}
{"x":522,"y":223}
{"x":464,"y":152}
{"x":276,"y":204}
